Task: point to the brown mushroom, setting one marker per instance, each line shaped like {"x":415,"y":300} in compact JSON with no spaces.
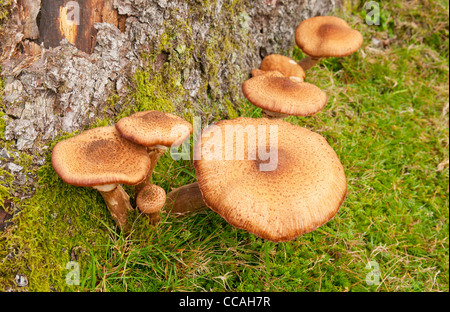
{"x":285,"y":65}
{"x":101,"y":158}
{"x":325,"y":36}
{"x":302,"y":192}
{"x":150,"y":201}
{"x":259,"y":72}
{"x":155,"y":130}
{"x":280,"y":97}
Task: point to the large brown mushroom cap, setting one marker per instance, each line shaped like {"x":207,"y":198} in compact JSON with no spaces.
{"x":284,"y":64}
{"x":100,"y":156}
{"x":304,"y":191}
{"x":151,"y":128}
{"x":282,"y":95}
{"x":327,"y":36}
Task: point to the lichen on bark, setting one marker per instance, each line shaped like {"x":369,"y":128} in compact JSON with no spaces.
{"x":201,"y":50}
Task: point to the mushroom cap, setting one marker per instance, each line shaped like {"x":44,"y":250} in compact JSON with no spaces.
{"x":327,"y":36}
{"x":100,"y":156}
{"x":153,"y":127}
{"x":284,"y":64}
{"x":151,"y":199}
{"x":283,"y":95}
{"x":273,"y":73}
{"x":303,"y":192}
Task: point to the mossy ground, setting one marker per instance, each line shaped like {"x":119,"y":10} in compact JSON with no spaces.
{"x":386,"y":118}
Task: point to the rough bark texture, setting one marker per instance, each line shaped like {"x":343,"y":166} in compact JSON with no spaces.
{"x":73,"y":20}
{"x":200,"y":50}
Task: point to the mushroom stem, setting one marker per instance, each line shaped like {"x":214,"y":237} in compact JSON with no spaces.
{"x":153,"y":218}
{"x":185,"y":199}
{"x":309,"y":62}
{"x":154,"y":153}
{"x":273,"y":115}
{"x":118,"y":203}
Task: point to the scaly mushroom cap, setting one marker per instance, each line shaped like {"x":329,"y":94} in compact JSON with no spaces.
{"x":327,"y":36}
{"x":151,"y":199}
{"x":151,"y":128}
{"x":100,"y":156}
{"x":282,"y":95}
{"x":273,"y":73}
{"x":285,"y":65}
{"x":303,"y":192}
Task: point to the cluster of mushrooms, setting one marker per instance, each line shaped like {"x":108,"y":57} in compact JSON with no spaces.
{"x":278,"y":86}
{"x":303,"y":192}
{"x":106,"y":157}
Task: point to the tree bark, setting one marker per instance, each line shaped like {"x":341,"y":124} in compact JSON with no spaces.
{"x":196,"y":54}
{"x":29,"y":10}
{"x":74,"y":20}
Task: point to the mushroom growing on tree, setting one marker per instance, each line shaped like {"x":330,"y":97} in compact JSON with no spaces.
{"x":325,"y":36}
{"x":156,"y":131}
{"x":150,"y":201}
{"x":73,"y":20}
{"x":302,"y":192}
{"x":280,"y":96}
{"x":102,"y":159}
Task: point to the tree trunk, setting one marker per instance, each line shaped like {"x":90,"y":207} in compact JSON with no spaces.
{"x":59,"y":75}
{"x":74,"y":20}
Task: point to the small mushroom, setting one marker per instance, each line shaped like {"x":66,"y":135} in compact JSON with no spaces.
{"x":280,"y":96}
{"x":150,"y":201}
{"x":155,"y":130}
{"x":302,"y":192}
{"x":325,"y":36}
{"x":101,"y":158}
{"x":285,"y":65}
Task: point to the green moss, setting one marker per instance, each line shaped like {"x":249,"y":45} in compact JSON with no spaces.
{"x":2,"y":126}
{"x":5,"y":187}
{"x":162,"y":88}
{"x":4,"y":11}
{"x":5,"y":177}
{"x":231,"y":111}
{"x":58,"y":224}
